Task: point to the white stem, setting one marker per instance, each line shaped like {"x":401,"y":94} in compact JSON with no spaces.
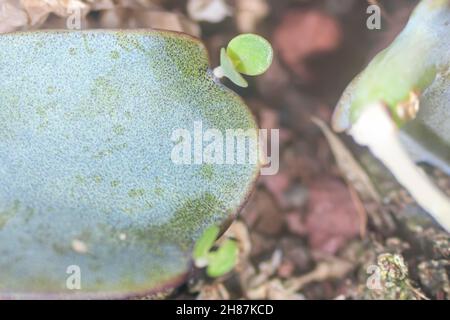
{"x":376,"y":130}
{"x":218,"y":72}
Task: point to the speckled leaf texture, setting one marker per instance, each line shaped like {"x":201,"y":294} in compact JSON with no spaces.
{"x":86,"y":119}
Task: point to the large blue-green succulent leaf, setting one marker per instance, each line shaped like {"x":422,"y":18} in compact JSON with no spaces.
{"x":87,"y":179}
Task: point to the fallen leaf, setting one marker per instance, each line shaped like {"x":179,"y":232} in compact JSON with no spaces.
{"x":266,"y":216}
{"x":12,"y":17}
{"x":249,"y":13}
{"x":334,"y":268}
{"x":351,"y":170}
{"x":39,"y":10}
{"x":166,"y":21}
{"x":213,"y":11}
{"x":101,"y":4}
{"x":332,"y":219}
{"x":304,"y":33}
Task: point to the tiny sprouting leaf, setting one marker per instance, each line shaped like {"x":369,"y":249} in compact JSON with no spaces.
{"x":229,"y":70}
{"x":251,"y":54}
{"x":204,"y":245}
{"x":223,"y":260}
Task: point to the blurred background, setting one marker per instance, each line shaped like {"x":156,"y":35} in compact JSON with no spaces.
{"x":318,"y":229}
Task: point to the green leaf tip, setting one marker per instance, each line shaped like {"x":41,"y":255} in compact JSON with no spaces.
{"x":204,"y":245}
{"x":223,"y":260}
{"x":251,"y":54}
{"x":217,"y":262}
{"x":229,"y":70}
{"x":247,"y":54}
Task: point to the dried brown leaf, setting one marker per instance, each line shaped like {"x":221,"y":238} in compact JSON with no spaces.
{"x":39,"y":10}
{"x":12,"y":17}
{"x":213,"y":11}
{"x":349,"y":167}
{"x":249,"y":13}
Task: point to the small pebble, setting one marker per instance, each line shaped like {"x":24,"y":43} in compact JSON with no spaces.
{"x":79,"y":246}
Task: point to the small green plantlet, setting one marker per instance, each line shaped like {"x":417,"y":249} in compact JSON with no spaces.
{"x":229,"y":70}
{"x":251,"y":54}
{"x":218,"y":262}
{"x":247,"y":54}
{"x":223,"y":260}
{"x":204,"y":245}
